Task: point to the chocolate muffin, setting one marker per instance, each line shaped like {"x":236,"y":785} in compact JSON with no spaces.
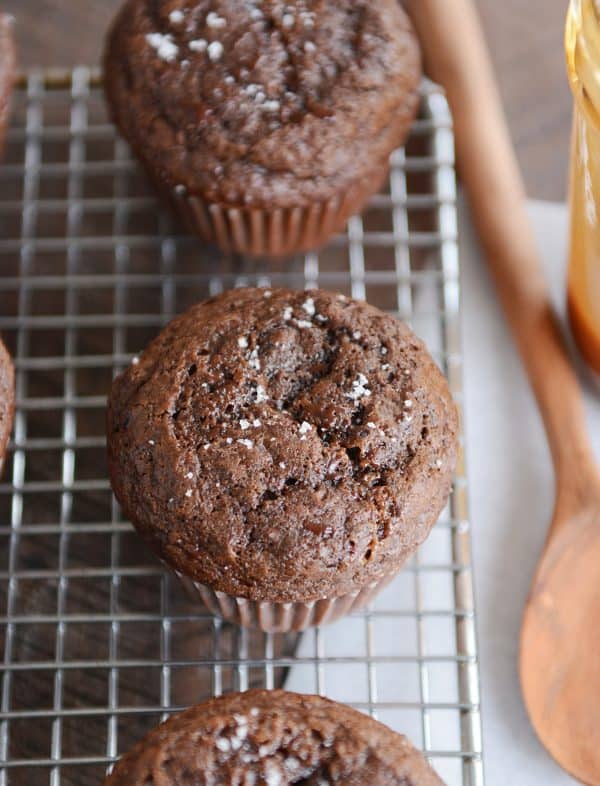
{"x":268,"y":123}
{"x":272,"y":738}
{"x":7,"y":71}
{"x":284,"y":451}
{"x":7,"y":399}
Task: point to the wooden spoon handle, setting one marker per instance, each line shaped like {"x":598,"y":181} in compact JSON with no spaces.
{"x":456,"y":57}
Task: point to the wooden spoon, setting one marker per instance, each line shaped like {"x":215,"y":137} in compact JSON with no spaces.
{"x":560,"y":636}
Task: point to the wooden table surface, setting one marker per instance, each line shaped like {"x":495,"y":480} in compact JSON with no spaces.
{"x":525,"y":39}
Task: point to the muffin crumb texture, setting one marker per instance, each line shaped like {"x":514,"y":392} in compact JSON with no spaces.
{"x":282,"y":446}
{"x":262,"y":101}
{"x":272,"y":738}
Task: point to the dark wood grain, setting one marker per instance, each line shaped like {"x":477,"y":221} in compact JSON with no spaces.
{"x":525,"y":39}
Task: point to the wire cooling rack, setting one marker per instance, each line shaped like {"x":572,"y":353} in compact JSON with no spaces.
{"x":99,"y":644}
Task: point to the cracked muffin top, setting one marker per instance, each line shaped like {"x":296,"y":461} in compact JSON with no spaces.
{"x":282,"y":445}
{"x":272,"y":738}
{"x":263,"y":102}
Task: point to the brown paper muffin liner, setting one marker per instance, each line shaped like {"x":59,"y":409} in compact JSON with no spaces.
{"x":271,"y":617}
{"x":276,"y":232}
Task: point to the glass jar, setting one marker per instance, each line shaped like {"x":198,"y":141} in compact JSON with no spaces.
{"x":583,"y":62}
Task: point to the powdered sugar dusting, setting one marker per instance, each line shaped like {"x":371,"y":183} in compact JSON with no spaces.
{"x":215,"y":51}
{"x":359,"y":388}
{"x":198,"y":45}
{"x":309,"y":306}
{"x":254,"y":361}
{"x":261,"y":394}
{"x":271,"y":106}
{"x":215,"y":22}
{"x":223,"y":744}
{"x":241,"y":731}
{"x":273,"y":776}
{"x":176,"y":17}
{"x":164,"y":45}
{"x":308,"y":19}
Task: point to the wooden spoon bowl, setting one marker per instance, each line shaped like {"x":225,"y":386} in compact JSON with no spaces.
{"x":560,"y":643}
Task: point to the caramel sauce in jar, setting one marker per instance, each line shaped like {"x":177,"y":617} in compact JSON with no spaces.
{"x":583,"y":62}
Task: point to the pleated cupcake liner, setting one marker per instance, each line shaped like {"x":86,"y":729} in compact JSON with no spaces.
{"x":276,"y":232}
{"x":272,"y":617}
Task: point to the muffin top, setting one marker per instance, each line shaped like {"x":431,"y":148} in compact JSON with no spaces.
{"x":272,"y":738}
{"x":263,"y":102}
{"x":281,"y":445}
{"x":7,"y":399}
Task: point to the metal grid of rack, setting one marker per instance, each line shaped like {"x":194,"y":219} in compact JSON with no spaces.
{"x":98,"y":642}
